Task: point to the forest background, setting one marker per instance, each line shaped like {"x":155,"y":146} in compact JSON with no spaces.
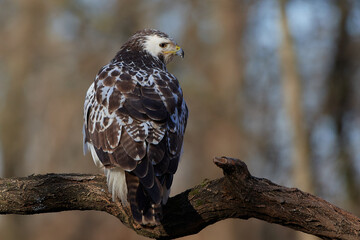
{"x":270,"y":82}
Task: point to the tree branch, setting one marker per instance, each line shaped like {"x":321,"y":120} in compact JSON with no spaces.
{"x":236,"y":195}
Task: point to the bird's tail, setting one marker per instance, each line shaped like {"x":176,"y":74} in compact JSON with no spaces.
{"x":143,"y":209}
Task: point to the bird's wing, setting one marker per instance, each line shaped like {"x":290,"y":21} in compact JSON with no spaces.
{"x":136,"y":120}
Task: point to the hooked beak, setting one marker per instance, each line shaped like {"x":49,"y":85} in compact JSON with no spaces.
{"x":179,"y":51}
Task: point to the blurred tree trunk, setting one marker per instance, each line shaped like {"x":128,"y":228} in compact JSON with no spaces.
{"x":219,"y":64}
{"x":228,"y":64}
{"x":339,"y":103}
{"x":227,"y":75}
{"x":21,"y":48}
{"x":292,"y":91}
{"x":293,"y":105}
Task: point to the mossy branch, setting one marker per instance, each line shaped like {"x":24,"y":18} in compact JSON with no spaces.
{"x":236,"y":195}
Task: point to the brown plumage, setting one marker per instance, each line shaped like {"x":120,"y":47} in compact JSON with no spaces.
{"x":134,"y":123}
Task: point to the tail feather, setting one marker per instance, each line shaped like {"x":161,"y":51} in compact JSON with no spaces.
{"x":117,"y":184}
{"x":145,"y":203}
{"x":143,"y":209}
{"x":153,"y":215}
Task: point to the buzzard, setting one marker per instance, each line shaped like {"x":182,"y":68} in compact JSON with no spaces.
{"x":134,"y":123}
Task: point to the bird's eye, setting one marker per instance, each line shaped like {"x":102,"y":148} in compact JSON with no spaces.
{"x":163,"y":45}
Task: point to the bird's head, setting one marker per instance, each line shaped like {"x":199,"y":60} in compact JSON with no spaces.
{"x":157,"y":44}
{"x":162,"y":46}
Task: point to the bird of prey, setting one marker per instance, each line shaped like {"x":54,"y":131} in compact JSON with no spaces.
{"x":134,"y":123}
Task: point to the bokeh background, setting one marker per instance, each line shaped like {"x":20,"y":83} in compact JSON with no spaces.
{"x":272,"y":82}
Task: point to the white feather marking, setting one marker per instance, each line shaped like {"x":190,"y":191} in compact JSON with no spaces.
{"x":117,"y":184}
{"x":115,"y":178}
{"x":130,"y":120}
{"x":145,"y":126}
{"x":104,"y":92}
{"x":150,"y":80}
{"x":94,"y":155}
{"x":108,"y":94}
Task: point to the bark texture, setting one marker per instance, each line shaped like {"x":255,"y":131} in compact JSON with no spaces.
{"x":236,"y":195}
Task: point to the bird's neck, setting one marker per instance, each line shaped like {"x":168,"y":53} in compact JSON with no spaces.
{"x":141,"y":59}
